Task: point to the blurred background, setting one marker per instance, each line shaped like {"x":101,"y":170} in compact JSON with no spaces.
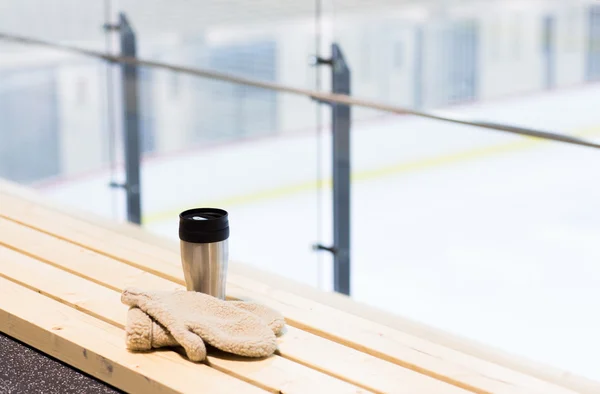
{"x":487,"y":234}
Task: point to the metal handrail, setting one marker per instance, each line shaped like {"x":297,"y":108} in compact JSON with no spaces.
{"x":319,"y":96}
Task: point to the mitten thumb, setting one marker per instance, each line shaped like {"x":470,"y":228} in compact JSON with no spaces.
{"x":193,"y":345}
{"x":168,"y":309}
{"x":142,"y":333}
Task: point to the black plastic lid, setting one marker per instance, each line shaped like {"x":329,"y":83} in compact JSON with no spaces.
{"x":203,"y":225}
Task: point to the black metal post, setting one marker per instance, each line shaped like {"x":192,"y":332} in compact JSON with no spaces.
{"x":341,"y":122}
{"x":131,"y":121}
{"x":341,"y":173}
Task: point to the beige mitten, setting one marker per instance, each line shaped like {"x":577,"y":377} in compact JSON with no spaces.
{"x":243,"y":328}
{"x":143,"y":333}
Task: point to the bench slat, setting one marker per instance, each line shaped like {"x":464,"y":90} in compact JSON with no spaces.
{"x":73,"y":337}
{"x":315,"y":352}
{"x":391,"y":345}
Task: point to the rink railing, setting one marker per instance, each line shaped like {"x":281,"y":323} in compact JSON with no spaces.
{"x":315,"y":95}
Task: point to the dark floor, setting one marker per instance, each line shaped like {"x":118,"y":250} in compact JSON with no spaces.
{"x":26,"y":370}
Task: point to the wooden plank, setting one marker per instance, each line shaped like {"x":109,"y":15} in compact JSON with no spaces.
{"x":408,"y":351}
{"x":275,"y":374}
{"x":72,"y":337}
{"x":541,"y":371}
{"x":347,"y":364}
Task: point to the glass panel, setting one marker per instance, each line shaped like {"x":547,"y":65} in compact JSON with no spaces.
{"x":55,"y":105}
{"x":251,"y":151}
{"x":242,"y":152}
{"x":486,"y":234}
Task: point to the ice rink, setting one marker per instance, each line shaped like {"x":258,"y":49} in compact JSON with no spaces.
{"x":492,"y":236}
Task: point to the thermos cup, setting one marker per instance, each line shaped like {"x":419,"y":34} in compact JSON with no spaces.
{"x":204,"y":234}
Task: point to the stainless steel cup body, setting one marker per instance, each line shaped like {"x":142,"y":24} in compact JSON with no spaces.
{"x":205,"y":266}
{"x":204,"y":245}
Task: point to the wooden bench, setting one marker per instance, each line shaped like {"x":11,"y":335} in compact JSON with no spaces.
{"x":61,"y":274}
